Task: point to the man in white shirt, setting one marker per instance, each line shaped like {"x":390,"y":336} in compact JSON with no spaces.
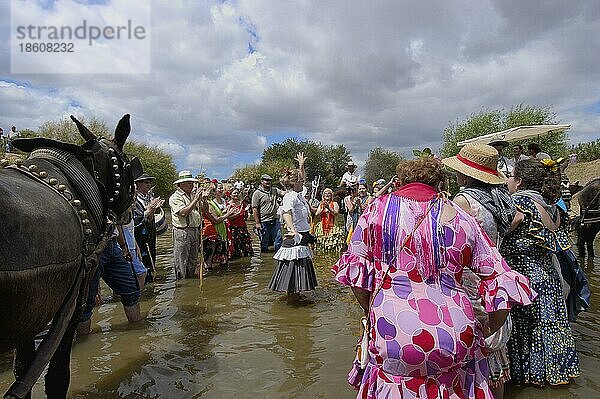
{"x":350,"y":178}
{"x":534,"y":150}
{"x":505,"y":165}
{"x":186,"y":218}
{"x":518,"y":154}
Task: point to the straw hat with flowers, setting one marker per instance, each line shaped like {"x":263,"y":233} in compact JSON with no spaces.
{"x":479,"y":161}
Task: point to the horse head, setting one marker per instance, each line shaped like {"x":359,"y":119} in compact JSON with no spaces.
{"x":113,"y":171}
{"x":575,"y":187}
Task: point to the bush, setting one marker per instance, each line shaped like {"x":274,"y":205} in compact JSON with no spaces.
{"x":381,"y":164}
{"x":251,"y":174}
{"x":327,"y":161}
{"x":587,"y":151}
{"x":157,"y":163}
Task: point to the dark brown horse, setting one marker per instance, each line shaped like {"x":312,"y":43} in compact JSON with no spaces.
{"x":56,"y":211}
{"x":587,"y":224}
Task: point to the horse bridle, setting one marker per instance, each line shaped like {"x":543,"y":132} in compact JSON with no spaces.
{"x":119,"y":164}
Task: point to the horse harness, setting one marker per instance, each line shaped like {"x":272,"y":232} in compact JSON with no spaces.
{"x":594,"y":213}
{"x":88,"y":206}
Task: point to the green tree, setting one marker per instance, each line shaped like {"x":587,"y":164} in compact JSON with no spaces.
{"x":486,"y":122}
{"x":339,"y":157}
{"x":477,"y":125}
{"x":65,"y":130}
{"x":27,"y":134}
{"x":327,"y":161}
{"x":522,"y":115}
{"x":157,"y":163}
{"x":381,"y":164}
{"x":251,"y":173}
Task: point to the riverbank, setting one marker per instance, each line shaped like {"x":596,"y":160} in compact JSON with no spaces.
{"x":583,"y":172}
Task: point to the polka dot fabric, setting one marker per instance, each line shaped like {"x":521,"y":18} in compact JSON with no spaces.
{"x":542,"y":347}
{"x":425,"y":340}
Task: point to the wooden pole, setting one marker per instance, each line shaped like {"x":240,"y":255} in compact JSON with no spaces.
{"x":201,"y":272}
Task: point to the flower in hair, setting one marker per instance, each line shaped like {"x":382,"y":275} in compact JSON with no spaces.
{"x":552,"y":165}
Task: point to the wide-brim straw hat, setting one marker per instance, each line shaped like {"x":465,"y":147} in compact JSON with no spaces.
{"x":479,"y":161}
{"x":185,"y":175}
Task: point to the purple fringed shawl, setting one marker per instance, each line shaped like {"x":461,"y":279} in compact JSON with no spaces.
{"x":401,"y":217}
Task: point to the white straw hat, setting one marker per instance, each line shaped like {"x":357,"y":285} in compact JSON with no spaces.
{"x":479,"y":161}
{"x":185,"y":175}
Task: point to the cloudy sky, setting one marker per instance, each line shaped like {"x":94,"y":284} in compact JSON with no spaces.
{"x":228,"y":78}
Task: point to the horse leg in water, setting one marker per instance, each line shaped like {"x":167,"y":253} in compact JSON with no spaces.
{"x":58,"y":376}
{"x":23,"y":357}
{"x":581,"y":241}
{"x":589,"y":233}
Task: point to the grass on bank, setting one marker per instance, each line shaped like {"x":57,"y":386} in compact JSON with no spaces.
{"x":584,"y":172}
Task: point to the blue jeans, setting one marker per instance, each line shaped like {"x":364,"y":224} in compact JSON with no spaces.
{"x":271,"y":231}
{"x":118,"y":273}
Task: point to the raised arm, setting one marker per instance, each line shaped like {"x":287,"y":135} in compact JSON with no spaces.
{"x":301,"y":159}
{"x":185,"y":211}
{"x":383,"y":190}
{"x":214,"y":219}
{"x":256,"y":209}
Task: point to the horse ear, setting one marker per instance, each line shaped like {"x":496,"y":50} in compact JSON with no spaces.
{"x":84,"y":131}
{"x":122,"y":132}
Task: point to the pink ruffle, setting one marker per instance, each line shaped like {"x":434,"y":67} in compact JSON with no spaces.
{"x":356,"y":374}
{"x":355,"y":271}
{"x":455,"y":384}
{"x":505,"y":290}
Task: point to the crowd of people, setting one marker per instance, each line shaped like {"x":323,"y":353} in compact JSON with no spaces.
{"x":460,"y":296}
{"x":219,"y":216}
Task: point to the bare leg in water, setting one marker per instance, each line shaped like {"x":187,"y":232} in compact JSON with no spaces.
{"x":498,"y":391}
{"x":210,"y":249}
{"x":141,"y":280}
{"x":293,"y":297}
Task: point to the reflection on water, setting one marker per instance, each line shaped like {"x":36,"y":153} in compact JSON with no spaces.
{"x":236,"y":339}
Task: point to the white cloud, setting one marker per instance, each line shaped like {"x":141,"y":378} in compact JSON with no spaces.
{"x":228,"y":75}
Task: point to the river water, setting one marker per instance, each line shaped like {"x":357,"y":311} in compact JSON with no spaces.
{"x":233,"y":338}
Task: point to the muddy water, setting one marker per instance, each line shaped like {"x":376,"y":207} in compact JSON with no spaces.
{"x":233,"y":338}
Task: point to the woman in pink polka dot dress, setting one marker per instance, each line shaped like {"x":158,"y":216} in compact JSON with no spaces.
{"x":424,"y":339}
